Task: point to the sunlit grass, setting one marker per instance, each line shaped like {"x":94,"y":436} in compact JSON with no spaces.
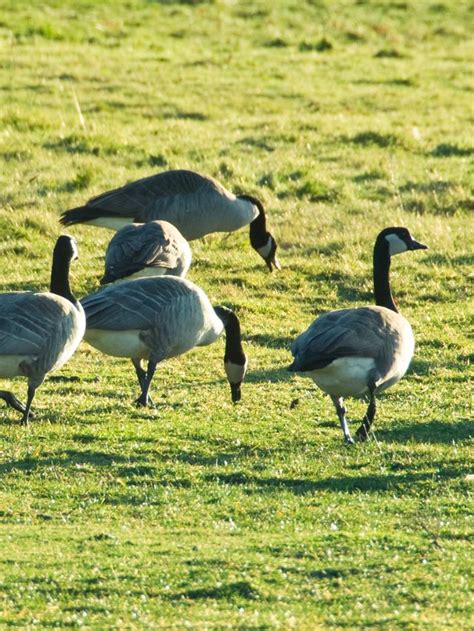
{"x":343,"y":117}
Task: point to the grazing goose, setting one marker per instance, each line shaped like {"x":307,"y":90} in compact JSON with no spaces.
{"x":196,"y":204}
{"x":39,"y":332}
{"x":158,"y":318}
{"x":354,"y":352}
{"x":148,"y":249}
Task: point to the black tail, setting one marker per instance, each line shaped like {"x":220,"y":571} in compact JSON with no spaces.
{"x":82,"y":214}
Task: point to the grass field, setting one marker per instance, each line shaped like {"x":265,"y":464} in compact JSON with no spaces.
{"x":343,"y":117}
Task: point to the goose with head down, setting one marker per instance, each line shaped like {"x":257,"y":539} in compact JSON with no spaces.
{"x":196,"y":204}
{"x":154,"y":319}
{"x":361,"y":351}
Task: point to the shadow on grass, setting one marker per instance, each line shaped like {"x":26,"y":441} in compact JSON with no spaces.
{"x":67,"y":458}
{"x":346,"y":484}
{"x":240,"y":590}
{"x":271,"y":341}
{"x":275,"y":375}
{"x":433,"y":432}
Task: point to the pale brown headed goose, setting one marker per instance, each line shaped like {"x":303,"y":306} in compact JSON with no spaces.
{"x":156,"y":248}
{"x":39,"y":332}
{"x":196,"y":204}
{"x":355,"y":352}
{"x":156,"y":318}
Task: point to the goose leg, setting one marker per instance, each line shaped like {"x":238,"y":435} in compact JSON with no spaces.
{"x":341,"y":413}
{"x":363,"y":432}
{"x":144,"y":398}
{"x":141,"y":375}
{"x":31,"y":394}
{"x":11,"y":400}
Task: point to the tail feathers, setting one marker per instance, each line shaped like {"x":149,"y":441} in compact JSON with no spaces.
{"x":307,"y":364}
{"x":82,"y":214}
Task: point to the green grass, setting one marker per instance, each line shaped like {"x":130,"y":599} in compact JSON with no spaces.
{"x":344,"y":117}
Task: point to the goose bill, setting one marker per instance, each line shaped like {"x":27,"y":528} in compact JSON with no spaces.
{"x":273,"y":262}
{"x":416,"y":245}
{"x":235,"y":392}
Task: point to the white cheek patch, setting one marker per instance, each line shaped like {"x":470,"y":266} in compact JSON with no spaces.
{"x":395,"y":244}
{"x":75,"y":252}
{"x":235,"y":372}
{"x":265,"y":250}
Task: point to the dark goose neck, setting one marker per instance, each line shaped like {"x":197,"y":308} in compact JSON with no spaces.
{"x":60,"y":277}
{"x":382,"y":290}
{"x":234,"y":352}
{"x":258,"y":227}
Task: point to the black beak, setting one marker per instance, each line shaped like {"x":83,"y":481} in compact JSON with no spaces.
{"x":416,"y":245}
{"x":235,"y":391}
{"x":273,"y":263}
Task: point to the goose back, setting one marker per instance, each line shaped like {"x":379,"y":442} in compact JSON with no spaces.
{"x":196,"y":204}
{"x":169,"y":315}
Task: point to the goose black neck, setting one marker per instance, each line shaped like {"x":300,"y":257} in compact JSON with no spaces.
{"x":60,"y":277}
{"x":258,"y":227}
{"x":234,"y":352}
{"x":382,"y":290}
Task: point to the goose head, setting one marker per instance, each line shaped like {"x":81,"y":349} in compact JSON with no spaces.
{"x":66,"y":248}
{"x":261,"y":240}
{"x":399,"y":240}
{"x":235,"y":360}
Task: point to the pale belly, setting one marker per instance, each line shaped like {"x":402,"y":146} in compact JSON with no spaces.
{"x":146,"y":272}
{"x":10,"y":365}
{"x":118,"y":343}
{"x":344,"y":377}
{"x":112,"y":223}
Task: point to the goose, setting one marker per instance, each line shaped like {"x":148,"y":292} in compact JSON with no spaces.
{"x":196,"y":204}
{"x":157,"y":318}
{"x":39,"y":332}
{"x":149,"y":249}
{"x":365,"y":350}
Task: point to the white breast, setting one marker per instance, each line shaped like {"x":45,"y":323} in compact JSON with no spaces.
{"x":344,"y":377}
{"x":118,"y":343}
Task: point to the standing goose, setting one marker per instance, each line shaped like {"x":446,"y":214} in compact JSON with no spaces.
{"x":158,"y":318}
{"x":196,"y":204}
{"x":156,"y":248}
{"x":39,"y":332}
{"x":354,"y":352}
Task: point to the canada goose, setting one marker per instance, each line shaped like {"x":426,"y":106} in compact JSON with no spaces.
{"x":148,"y":249}
{"x":158,"y":318}
{"x":196,"y":204}
{"x":353,"y":352}
{"x":39,"y":332}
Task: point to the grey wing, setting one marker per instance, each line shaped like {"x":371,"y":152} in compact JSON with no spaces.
{"x":27,"y":321}
{"x":135,"y":304}
{"x":150,"y":193}
{"x":345,"y":333}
